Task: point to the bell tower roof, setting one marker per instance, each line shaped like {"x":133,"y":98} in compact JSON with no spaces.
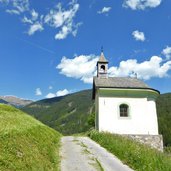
{"x":102,"y":58}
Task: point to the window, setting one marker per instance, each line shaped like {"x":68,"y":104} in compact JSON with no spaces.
{"x":102,"y":68}
{"x":124,"y":110}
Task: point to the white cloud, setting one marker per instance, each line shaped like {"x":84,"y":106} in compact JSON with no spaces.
{"x":34,"y":28}
{"x":34,"y":14}
{"x":104,"y":10}
{"x":18,"y":6}
{"x":27,"y":20}
{"x":58,"y":93}
{"x":81,"y":67}
{"x":167,"y":52}
{"x":63,"y":32}
{"x":139,"y":36}
{"x":59,"y":18}
{"x":63,"y":20}
{"x":56,"y":17}
{"x":62,"y":92}
{"x":38,"y":92}
{"x":84,"y":68}
{"x":34,"y":21}
{"x":21,"y":5}
{"x":50,"y":95}
{"x":141,"y":4}
{"x":145,"y":70}
{"x":13,"y":11}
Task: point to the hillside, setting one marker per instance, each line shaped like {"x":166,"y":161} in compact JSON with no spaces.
{"x":67,"y":114}
{"x":14,"y":101}
{"x":164,"y":117}
{"x":25,"y":143}
{"x":3,"y":101}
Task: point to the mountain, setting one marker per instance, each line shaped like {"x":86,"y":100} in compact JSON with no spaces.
{"x":67,"y":114}
{"x":3,"y":101}
{"x":25,"y":143}
{"x":14,"y":101}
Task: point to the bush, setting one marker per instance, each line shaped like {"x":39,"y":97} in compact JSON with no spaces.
{"x":91,"y":120}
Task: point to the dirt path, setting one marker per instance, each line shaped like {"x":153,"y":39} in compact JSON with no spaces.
{"x":83,"y":154}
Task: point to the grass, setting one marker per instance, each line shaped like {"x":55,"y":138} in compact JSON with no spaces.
{"x":137,"y":156}
{"x":25,"y":143}
{"x":99,"y":165}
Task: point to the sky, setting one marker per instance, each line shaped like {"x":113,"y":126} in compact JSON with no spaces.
{"x":50,"y":48}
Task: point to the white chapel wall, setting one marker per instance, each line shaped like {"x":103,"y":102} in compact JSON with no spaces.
{"x":142,"y":116}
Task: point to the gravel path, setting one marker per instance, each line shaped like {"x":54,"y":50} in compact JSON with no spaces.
{"x":83,"y":154}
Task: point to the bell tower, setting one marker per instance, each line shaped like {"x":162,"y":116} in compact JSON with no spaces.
{"x":102,"y":66}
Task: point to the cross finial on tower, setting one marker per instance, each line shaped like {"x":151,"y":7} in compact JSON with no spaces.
{"x":102,"y":49}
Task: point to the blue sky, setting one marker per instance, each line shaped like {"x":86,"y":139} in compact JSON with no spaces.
{"x":50,"y":48}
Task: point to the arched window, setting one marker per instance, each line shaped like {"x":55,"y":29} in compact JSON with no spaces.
{"x":124,"y":108}
{"x":102,"y":68}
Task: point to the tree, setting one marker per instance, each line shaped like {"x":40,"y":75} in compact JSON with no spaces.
{"x":91,"y":120}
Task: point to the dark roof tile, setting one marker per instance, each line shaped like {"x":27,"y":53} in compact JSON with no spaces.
{"x":119,"y":82}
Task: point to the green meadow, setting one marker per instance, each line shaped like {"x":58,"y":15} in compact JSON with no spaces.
{"x":25,"y":143}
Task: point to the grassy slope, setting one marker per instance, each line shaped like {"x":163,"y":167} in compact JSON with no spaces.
{"x":137,"y":156}
{"x":25,"y":143}
{"x":66,"y":114}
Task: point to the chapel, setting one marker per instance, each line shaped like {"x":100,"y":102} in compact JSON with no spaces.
{"x":124,"y":105}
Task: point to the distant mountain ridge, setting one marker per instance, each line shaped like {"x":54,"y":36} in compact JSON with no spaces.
{"x":69,"y":114}
{"x":14,"y":101}
{"x":3,"y":101}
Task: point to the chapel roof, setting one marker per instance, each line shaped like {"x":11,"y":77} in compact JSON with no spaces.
{"x":119,"y":82}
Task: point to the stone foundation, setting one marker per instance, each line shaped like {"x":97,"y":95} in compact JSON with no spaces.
{"x":154,"y":141}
